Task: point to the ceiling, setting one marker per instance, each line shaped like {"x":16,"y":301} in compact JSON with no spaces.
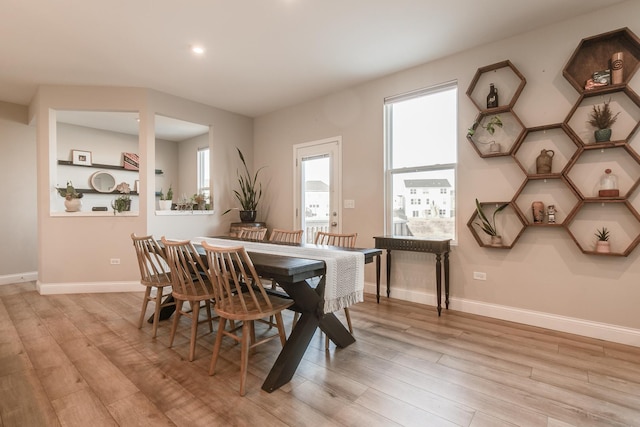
{"x":261,"y":55}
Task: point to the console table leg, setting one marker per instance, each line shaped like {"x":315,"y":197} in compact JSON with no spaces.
{"x":388,"y":272}
{"x":378,"y":279}
{"x":446,"y":279}
{"x":439,"y":281}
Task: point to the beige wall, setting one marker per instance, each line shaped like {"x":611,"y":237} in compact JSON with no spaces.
{"x":18,"y":259}
{"x":75,"y":252}
{"x":544,"y":279}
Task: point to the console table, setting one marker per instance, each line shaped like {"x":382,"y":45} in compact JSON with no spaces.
{"x":439,"y":247}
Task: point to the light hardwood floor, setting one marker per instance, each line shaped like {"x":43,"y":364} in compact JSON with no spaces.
{"x":79,"y":360}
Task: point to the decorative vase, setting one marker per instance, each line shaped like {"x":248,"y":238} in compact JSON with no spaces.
{"x":494,"y":147}
{"x":617,"y":65}
{"x":248,"y":216}
{"x":165,"y":205}
{"x":602,"y":135}
{"x":72,"y":205}
{"x":496,"y":241}
{"x":537,"y":209}
{"x":603,"y":247}
{"x":543,"y":161}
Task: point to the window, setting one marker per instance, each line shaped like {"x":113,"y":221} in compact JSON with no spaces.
{"x":421,"y":146}
{"x":203,"y":173}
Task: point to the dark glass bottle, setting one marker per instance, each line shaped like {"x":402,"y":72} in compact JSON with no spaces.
{"x":492,"y":98}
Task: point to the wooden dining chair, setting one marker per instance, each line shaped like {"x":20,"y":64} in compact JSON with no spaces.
{"x":252,"y":233}
{"x":190,"y":283}
{"x":154,"y":275}
{"x":347,"y":240}
{"x":240,"y":296}
{"x":286,"y":236}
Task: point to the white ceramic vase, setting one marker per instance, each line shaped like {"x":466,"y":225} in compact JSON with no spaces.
{"x":165,"y":205}
{"x":72,"y":205}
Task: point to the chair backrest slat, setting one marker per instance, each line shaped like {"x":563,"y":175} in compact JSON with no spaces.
{"x":286,"y":236}
{"x":189,"y":274}
{"x":151,"y":260}
{"x":235,"y":280}
{"x":252,"y":233}
{"x":336,"y":239}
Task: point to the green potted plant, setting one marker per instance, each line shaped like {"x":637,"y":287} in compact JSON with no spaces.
{"x":72,"y":202}
{"x":490,"y":126}
{"x":487,"y":226}
{"x":123,"y":201}
{"x":249,"y":194}
{"x":165,"y":202}
{"x":602,"y":244}
{"x":602,"y":118}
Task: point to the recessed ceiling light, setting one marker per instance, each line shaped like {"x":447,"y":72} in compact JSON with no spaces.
{"x":198,"y":50}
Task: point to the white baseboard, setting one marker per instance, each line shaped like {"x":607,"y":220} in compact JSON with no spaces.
{"x":587,"y":328}
{"x":19,"y":278}
{"x":88,"y":287}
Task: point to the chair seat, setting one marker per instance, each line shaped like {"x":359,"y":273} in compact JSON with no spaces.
{"x":157,"y":280}
{"x":253,"y":312}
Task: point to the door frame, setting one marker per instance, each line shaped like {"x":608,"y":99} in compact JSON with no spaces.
{"x":336,"y":182}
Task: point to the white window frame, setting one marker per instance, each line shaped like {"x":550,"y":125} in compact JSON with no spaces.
{"x":391,"y":172}
{"x":204,"y":182}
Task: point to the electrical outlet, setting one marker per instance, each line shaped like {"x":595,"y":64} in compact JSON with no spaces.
{"x":479,"y":275}
{"x":115,"y":261}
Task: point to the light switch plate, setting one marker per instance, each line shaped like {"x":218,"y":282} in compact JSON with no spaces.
{"x":349,"y":204}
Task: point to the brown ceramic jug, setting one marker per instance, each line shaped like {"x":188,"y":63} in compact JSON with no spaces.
{"x":543,"y":161}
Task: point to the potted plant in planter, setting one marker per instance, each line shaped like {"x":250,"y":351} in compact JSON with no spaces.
{"x":602,"y":244}
{"x":72,"y":202}
{"x":490,"y":127}
{"x":489,"y":227}
{"x":165,"y":202}
{"x":602,"y":118}
{"x":249,"y":194}
{"x":200,"y":200}
{"x":123,"y":201}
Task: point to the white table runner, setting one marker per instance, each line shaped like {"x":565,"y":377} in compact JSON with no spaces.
{"x":344,"y":274}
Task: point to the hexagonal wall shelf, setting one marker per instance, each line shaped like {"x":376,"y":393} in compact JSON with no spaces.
{"x":507,"y":79}
{"x":509,"y":223}
{"x":624,"y":102}
{"x":585,"y":171}
{"x":502,"y":141}
{"x":551,"y":140}
{"x":594,"y":54}
{"x":549,"y":191}
{"x":617,"y":216}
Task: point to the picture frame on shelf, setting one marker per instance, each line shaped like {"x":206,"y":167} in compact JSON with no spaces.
{"x":80,"y":157}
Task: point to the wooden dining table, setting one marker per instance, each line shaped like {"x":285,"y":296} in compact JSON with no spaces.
{"x":292,"y":274}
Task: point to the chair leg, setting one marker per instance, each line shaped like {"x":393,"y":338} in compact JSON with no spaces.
{"x":216,"y":347}
{"x":195,"y":311}
{"x":156,"y":311}
{"x":281,"y":332}
{"x":207,"y":303}
{"x":145,"y":302}
{"x":176,"y":318}
{"x":244,"y":355}
{"x":348,"y":316}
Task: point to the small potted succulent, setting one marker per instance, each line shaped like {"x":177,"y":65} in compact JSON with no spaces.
{"x":165,"y":202}
{"x":602,"y":243}
{"x":123,"y":201}
{"x":72,"y":202}
{"x":602,"y":118}
{"x":489,"y":227}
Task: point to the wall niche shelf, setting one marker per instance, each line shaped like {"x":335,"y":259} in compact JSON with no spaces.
{"x":548,"y":137}
{"x":102,"y":166}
